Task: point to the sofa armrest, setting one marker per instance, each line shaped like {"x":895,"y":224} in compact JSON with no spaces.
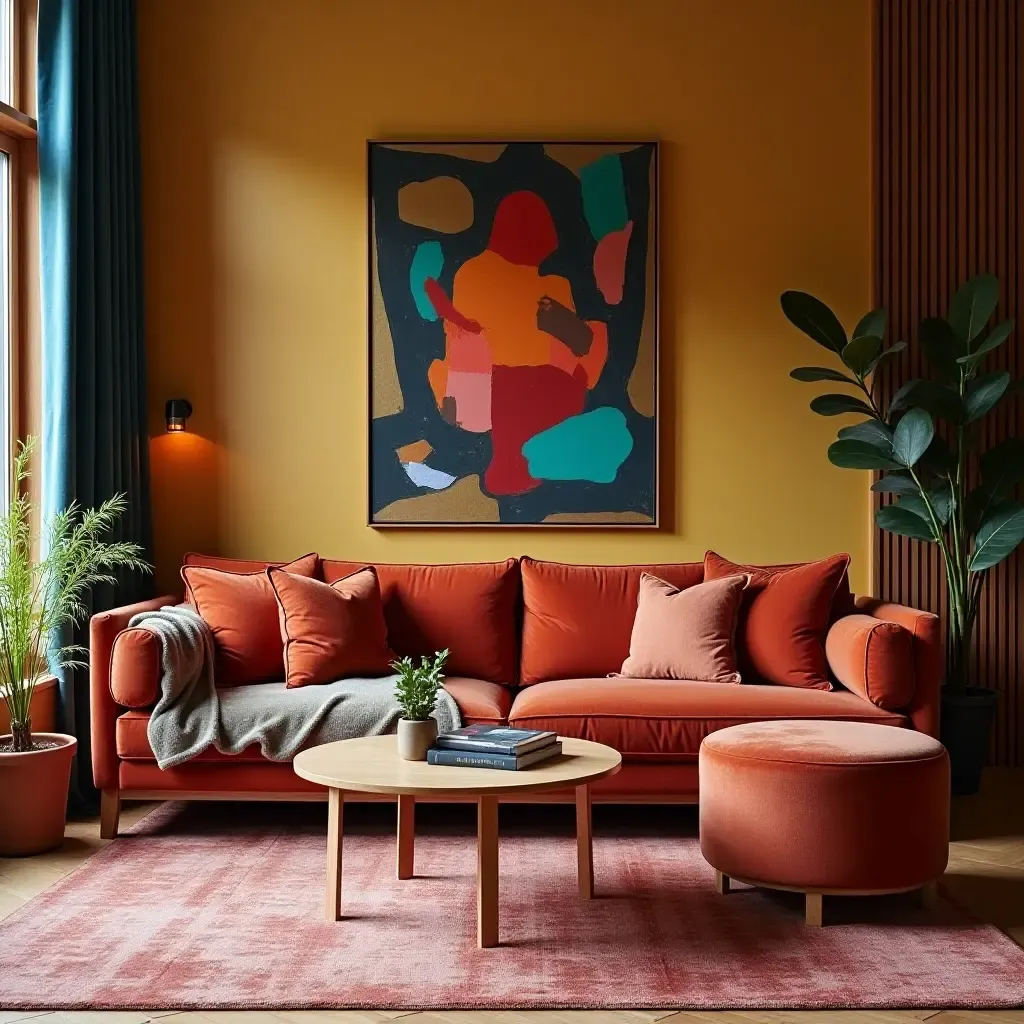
{"x":929,"y":657}
{"x":103,"y":630}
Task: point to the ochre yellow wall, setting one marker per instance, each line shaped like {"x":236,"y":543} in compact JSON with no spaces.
{"x":254,"y":120}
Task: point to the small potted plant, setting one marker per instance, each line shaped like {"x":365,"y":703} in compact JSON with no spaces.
{"x":39,"y":597}
{"x":416,"y":692}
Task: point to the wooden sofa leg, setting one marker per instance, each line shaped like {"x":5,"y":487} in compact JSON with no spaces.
{"x":721,"y":883}
{"x":813,"y":910}
{"x":110,"y":811}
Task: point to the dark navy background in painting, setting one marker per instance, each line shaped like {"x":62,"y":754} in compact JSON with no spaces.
{"x":418,"y":342}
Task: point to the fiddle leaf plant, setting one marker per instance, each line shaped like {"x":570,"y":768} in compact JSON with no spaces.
{"x":417,"y":686}
{"x":927,"y":444}
{"x":40,"y":596}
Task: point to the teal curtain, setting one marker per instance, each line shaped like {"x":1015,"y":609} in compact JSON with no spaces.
{"x":94,"y":441}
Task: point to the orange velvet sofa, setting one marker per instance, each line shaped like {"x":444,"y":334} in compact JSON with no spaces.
{"x":533,"y":643}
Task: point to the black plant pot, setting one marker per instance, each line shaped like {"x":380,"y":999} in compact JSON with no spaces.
{"x":966,"y":732}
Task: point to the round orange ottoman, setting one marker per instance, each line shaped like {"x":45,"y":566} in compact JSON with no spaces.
{"x":825,"y":808}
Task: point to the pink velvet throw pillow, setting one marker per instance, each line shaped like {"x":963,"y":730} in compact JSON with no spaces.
{"x":686,"y":634}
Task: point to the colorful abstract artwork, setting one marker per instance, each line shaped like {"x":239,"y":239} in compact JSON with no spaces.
{"x":513,"y":334}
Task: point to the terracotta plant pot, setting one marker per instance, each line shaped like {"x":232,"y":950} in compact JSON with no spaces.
{"x":34,"y":795}
{"x":415,"y":738}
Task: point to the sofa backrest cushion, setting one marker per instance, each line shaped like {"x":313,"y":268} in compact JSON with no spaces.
{"x":578,"y":619}
{"x":241,"y":611}
{"x":470,"y":608}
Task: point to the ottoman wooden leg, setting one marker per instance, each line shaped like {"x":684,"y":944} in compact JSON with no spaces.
{"x":721,"y":883}
{"x":813,"y":910}
{"x":929,"y":895}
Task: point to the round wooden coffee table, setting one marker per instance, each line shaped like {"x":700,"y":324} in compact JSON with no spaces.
{"x":372,"y":765}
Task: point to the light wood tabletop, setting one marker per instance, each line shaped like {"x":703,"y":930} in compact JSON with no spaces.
{"x":372,"y":765}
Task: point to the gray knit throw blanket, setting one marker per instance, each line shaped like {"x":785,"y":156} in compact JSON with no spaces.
{"x":192,"y":715}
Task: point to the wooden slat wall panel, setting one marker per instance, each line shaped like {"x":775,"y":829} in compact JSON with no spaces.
{"x":947,"y":192}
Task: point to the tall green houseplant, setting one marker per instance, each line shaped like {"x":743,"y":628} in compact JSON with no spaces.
{"x":927,"y":443}
{"x":39,"y":597}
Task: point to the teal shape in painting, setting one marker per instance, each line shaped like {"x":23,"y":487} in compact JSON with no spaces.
{"x":604,"y":196}
{"x":427,"y":262}
{"x":590,"y":446}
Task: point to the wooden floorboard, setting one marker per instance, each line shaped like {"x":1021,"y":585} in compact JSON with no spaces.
{"x":985,"y":874}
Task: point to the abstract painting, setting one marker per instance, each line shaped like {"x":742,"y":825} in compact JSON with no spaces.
{"x":513,"y":334}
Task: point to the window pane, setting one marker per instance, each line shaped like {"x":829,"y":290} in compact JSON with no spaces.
{"x":5,"y":327}
{"x":7,"y":51}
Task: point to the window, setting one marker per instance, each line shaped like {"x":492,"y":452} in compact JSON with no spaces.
{"x":19,"y":278}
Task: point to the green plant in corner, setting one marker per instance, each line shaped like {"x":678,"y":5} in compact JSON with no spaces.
{"x":927,"y":443}
{"x":39,"y":597}
{"x":417,"y":686}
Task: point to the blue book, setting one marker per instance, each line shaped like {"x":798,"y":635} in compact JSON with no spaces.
{"x":495,"y":739}
{"x":505,"y":762}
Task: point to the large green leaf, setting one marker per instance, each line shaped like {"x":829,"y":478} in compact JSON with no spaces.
{"x":852,"y":454}
{"x":861,"y":353}
{"x":972,"y":305}
{"x":834,"y":405}
{"x":1001,"y":532}
{"x":886,"y":355}
{"x":941,"y":347}
{"x":999,"y":334}
{"x":870,"y":431}
{"x":894,"y":483}
{"x":1003,"y":464}
{"x":912,"y":436}
{"x":943,"y":501}
{"x":983,"y":393}
{"x":942,"y":402}
{"x":815,"y":319}
{"x":938,"y":459}
{"x":914,"y":503}
{"x":872,"y":323}
{"x":809,"y":374}
{"x":904,"y":522}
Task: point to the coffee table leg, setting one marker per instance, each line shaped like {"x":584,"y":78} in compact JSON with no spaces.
{"x":584,"y":843}
{"x":335,"y":809}
{"x":406,"y":835}
{"x":487,"y":872}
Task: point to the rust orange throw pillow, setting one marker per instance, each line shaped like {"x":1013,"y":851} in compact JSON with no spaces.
{"x":331,"y":630}
{"x":241,"y":612}
{"x":685,"y":634}
{"x":785,"y":615}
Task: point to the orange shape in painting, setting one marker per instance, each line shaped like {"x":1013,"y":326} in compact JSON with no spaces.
{"x":610,"y":263}
{"x":593,"y":362}
{"x":417,"y":451}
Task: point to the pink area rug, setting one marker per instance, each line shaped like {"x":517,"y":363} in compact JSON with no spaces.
{"x":220,"y":907}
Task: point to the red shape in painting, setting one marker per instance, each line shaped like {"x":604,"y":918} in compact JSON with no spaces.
{"x":523,"y":231}
{"x":524,"y":401}
{"x":610,"y":263}
{"x":444,"y":308}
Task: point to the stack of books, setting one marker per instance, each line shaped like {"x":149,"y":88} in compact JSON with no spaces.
{"x":494,"y":746}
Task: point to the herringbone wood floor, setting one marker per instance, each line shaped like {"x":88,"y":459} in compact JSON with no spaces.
{"x":986,"y":872}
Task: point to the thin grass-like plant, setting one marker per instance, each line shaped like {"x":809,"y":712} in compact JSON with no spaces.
{"x":39,"y":597}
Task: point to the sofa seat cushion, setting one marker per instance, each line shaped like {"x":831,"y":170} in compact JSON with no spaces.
{"x":469,"y":608}
{"x":666,"y":719}
{"x":479,"y":701}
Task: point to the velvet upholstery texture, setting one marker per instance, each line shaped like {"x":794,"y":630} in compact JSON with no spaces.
{"x":331,"y":630}
{"x":785,"y":615}
{"x":830,"y":806}
{"x":666,"y":719}
{"x":241,"y":611}
{"x":578,"y":619}
{"x":872,"y":658}
{"x":135,"y":668}
{"x":469,"y":608}
{"x":685,"y":634}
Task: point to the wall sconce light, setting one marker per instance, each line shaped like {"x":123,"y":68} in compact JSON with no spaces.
{"x":177,"y":411}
